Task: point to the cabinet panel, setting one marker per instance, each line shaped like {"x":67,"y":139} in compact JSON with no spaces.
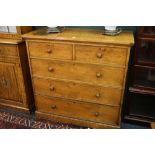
{"x":73,"y":90}
{"x":80,"y":72}
{"x":142,"y":105}
{"x":101,"y":54}
{"x":8,"y":50}
{"x":50,"y":50}
{"x":144,"y":77}
{"x":9,"y":88}
{"x":80,"y":110}
{"x":146,"y":52}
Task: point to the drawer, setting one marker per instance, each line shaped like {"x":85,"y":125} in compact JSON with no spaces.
{"x":8,"y":50}
{"x":72,"y":90}
{"x":79,"y":110}
{"x":50,"y":50}
{"x":76,"y":71}
{"x":95,"y":54}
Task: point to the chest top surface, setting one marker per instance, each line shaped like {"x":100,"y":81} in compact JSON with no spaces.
{"x":82,"y":35}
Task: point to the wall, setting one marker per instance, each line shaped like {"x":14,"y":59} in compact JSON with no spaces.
{"x":130,"y":28}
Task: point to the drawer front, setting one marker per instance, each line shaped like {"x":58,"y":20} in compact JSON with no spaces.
{"x":8,"y":50}
{"x":80,"y":72}
{"x":72,"y":90}
{"x":50,"y":50}
{"x":80,"y":110}
{"x":109,"y":55}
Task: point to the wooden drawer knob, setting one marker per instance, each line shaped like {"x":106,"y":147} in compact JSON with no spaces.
{"x":50,"y":69}
{"x":97,"y":114}
{"x":53,"y":107}
{"x":98,"y":95}
{"x":52,"y":88}
{"x":99,"y":55}
{"x":104,"y":49}
{"x":49,"y":51}
{"x":98,"y":75}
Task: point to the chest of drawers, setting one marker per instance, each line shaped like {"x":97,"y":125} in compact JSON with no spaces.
{"x":15,"y":82}
{"x":79,"y":75}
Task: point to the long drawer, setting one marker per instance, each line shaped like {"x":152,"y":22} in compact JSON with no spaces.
{"x":78,"y":91}
{"x":79,"y":110}
{"x":50,"y":50}
{"x":101,"y":54}
{"x":8,"y":50}
{"x":77,"y":71}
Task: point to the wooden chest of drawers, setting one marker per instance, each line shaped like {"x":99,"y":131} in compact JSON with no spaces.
{"x":79,"y":75}
{"x":15,"y":82}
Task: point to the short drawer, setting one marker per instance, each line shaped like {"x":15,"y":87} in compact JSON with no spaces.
{"x":77,"y":71}
{"x":50,"y":50}
{"x":79,"y":110}
{"x":8,"y":50}
{"x":103,"y":54}
{"x":78,"y":91}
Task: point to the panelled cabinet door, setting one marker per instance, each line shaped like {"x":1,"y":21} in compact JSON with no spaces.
{"x":9,"y":78}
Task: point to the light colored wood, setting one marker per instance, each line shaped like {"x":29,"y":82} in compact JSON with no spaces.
{"x":78,"y":72}
{"x":78,"y":91}
{"x":10,"y":104}
{"x":101,"y":54}
{"x":82,"y":81}
{"x":10,"y":41}
{"x":82,"y":35}
{"x":124,"y":81}
{"x":8,"y":50}
{"x":50,"y":50}
{"x":153,"y":125}
{"x":14,"y":93}
{"x":75,"y":121}
{"x":9,"y":88}
{"x":80,"y":110}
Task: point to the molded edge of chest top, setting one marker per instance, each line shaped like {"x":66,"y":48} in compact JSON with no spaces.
{"x":82,"y":35}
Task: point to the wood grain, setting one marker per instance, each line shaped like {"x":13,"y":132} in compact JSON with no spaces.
{"x":15,"y":92}
{"x":51,"y":50}
{"x":82,"y":35}
{"x":78,"y":71}
{"x":74,"y":109}
{"x":78,"y":91}
{"x":8,"y":50}
{"x":79,"y":75}
{"x":14,"y":36}
{"x":101,"y":54}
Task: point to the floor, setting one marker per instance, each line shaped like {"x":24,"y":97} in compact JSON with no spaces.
{"x":16,"y":120}
{"x":132,"y":126}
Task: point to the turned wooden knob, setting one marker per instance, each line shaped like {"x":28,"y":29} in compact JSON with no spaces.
{"x":50,"y":69}
{"x":49,"y":51}
{"x":98,"y":75}
{"x":52,"y":88}
{"x":53,"y":106}
{"x":99,"y":55}
{"x":97,"y":114}
{"x":98,"y":95}
{"x":103,"y":49}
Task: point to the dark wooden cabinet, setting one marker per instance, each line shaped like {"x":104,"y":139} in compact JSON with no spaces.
{"x":140,"y":105}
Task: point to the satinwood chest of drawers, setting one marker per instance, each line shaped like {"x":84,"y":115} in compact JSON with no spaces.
{"x":79,"y":75}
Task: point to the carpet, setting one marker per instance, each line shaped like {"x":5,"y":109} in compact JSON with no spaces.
{"x":17,"y":120}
